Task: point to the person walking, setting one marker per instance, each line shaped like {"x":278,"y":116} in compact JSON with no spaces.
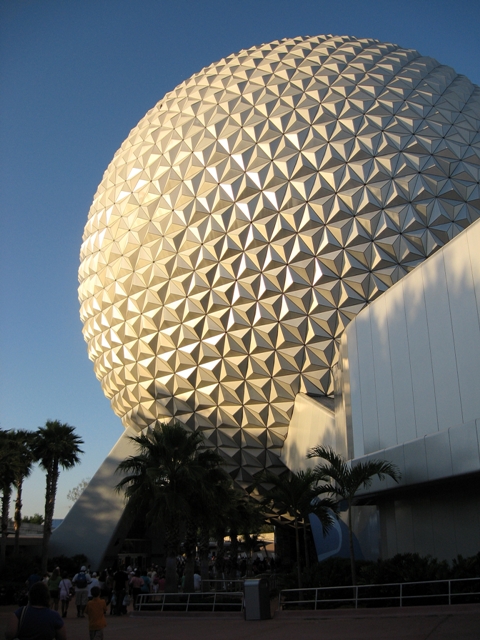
{"x":197,"y":580}
{"x":147,"y":583}
{"x":53,"y":585}
{"x":120,"y":589}
{"x":66,"y":592}
{"x":96,"y":609}
{"x":36,"y":619}
{"x":81,"y":581}
{"x":33,"y":578}
{"x":136,"y":584}
{"x":94,"y":582}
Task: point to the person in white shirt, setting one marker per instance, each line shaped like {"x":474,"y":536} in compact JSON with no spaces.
{"x":197,"y":581}
{"x":66,"y":591}
{"x":95,"y":582}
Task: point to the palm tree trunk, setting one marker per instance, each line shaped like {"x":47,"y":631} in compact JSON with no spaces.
{"x":190,"y":545}
{"x":220,"y":556}
{"x":350,"y":542}
{"x":233,"y":554}
{"x":50,"y":495}
{"x":171,"y":544}
{"x":297,"y":546}
{"x":203,"y":548}
{"x":250,"y":542}
{"x":250,"y":564}
{"x":171,"y":576}
{"x":18,"y":516}
{"x":7,"y":491}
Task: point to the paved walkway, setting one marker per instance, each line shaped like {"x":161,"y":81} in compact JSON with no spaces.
{"x":460,"y":622}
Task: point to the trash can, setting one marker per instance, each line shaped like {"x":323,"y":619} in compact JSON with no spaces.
{"x":257,"y":599}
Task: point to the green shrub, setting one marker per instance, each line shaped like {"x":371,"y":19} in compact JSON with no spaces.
{"x":403,"y":567}
{"x":70,"y":565}
{"x":17,"y":569}
{"x":332,"y":572}
{"x":466,"y":567}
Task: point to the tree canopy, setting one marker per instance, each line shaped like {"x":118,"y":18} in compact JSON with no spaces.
{"x":55,"y":445}
{"x":298,"y":494}
{"x":168,"y":479}
{"x":343,"y":480}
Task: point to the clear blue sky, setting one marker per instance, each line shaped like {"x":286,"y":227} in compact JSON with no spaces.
{"x":75,"y":77}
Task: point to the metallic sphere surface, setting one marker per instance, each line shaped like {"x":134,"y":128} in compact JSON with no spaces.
{"x":252,"y":213}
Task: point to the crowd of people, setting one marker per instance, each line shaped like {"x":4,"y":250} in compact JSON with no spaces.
{"x":119,"y":588}
{"x":97,"y":593}
{"x":92,"y":592}
{"x":39,"y":617}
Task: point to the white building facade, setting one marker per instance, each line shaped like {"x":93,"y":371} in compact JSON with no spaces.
{"x":409,"y":374}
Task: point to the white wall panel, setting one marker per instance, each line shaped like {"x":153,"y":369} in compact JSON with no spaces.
{"x":388,"y":531}
{"x":473,"y":238}
{"x":311,"y":425}
{"x":466,"y":330}
{"x":367,"y":384}
{"x":414,"y":358}
{"x":355,"y":394}
{"x":402,"y":383}
{"x":422,"y":526}
{"x":92,"y":522}
{"x":342,"y":398}
{"x":439,"y":459}
{"x":420,"y":355}
{"x":467,"y":524}
{"x":447,"y":393}
{"x":442,"y":454}
{"x":415,"y":461}
{"x":387,"y":430}
{"x":403,"y":518}
{"x":464,"y":448}
{"x":397,"y":457}
{"x":443,"y":523}
{"x":477,"y":425}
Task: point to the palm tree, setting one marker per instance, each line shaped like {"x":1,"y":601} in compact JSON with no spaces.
{"x":243,"y":515}
{"x":209,"y":501}
{"x":24,"y":443}
{"x":311,"y":503}
{"x":9,"y":465}
{"x":55,"y":445}
{"x":297,"y":494}
{"x":250,"y":544}
{"x":225,"y":524}
{"x":343,"y":481}
{"x":160,"y":481}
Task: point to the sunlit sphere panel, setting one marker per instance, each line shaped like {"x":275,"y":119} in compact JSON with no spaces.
{"x":252,"y":213}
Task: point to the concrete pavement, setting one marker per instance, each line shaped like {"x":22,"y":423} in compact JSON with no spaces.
{"x":459,"y":622}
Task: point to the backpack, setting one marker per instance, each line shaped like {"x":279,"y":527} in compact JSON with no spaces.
{"x":81,"y":581}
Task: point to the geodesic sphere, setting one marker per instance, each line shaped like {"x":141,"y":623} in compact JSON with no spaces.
{"x":252,"y":213}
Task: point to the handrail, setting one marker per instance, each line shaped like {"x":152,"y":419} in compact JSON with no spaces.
{"x":399,"y":593}
{"x":225,"y":584}
{"x":209,"y":600}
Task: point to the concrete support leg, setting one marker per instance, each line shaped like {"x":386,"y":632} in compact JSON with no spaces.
{"x":96,"y":525}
